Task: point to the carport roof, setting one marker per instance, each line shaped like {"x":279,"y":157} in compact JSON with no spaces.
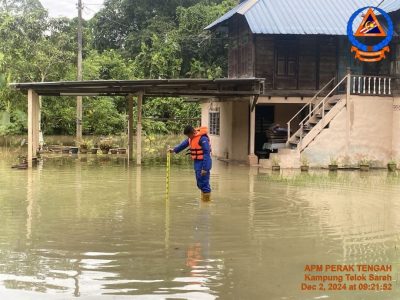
{"x":223,"y":87}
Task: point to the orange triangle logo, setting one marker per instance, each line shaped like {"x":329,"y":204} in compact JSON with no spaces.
{"x":370,"y":26}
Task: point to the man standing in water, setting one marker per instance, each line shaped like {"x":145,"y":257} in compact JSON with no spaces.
{"x":200,"y":152}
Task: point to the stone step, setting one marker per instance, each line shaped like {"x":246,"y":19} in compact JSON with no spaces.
{"x":308,"y":128}
{"x":312,"y":122}
{"x":287,"y":158}
{"x":286,"y":151}
{"x":334,"y":101}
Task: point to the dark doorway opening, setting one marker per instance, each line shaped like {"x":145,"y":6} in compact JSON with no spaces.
{"x":265,"y":117}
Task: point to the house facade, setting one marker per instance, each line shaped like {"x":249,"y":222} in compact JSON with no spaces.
{"x":332,"y":105}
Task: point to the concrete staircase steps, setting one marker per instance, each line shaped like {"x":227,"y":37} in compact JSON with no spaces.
{"x":334,"y":101}
{"x":312,"y":122}
{"x":287,"y":158}
{"x":316,"y":123}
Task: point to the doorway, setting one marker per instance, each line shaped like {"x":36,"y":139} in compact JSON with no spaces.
{"x":265,"y":117}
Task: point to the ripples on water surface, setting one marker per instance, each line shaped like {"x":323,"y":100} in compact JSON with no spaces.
{"x":73,"y":228}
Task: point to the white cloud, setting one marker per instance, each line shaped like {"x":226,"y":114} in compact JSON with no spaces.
{"x":68,"y":8}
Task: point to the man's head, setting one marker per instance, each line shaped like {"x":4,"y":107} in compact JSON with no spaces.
{"x":189,"y":131}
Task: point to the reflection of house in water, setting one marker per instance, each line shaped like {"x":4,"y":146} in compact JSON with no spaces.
{"x":301,"y":48}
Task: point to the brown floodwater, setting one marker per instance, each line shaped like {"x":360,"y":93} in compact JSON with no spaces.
{"x":89,"y":227}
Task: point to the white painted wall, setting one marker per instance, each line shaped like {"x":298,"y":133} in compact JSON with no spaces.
{"x":373,"y":133}
{"x":232,"y":142}
{"x":370,"y":134}
{"x":396,"y":129}
{"x":240,"y":132}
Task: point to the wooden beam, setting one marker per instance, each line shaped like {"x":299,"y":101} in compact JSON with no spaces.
{"x":139,"y":129}
{"x":33,"y":125}
{"x":254,"y":102}
{"x":130,"y":127}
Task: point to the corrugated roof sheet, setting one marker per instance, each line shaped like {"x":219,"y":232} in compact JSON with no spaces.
{"x":301,"y":16}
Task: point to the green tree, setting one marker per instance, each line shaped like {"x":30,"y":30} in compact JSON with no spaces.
{"x":169,"y":114}
{"x":159,"y":59}
{"x":204,"y":54}
{"x":101,"y":117}
{"x":127,"y":39}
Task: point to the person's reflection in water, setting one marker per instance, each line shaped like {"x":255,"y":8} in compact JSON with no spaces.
{"x":198,"y":251}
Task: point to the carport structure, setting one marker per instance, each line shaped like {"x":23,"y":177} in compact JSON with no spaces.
{"x":193,"y":89}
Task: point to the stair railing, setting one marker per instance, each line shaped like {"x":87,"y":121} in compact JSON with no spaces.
{"x":308,"y":105}
{"x":317,"y":107}
{"x":371,"y":85}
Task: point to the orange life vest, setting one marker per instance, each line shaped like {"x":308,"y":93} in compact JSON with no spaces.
{"x":196,"y":151}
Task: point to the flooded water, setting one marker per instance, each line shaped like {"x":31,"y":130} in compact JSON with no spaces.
{"x":73,"y":228}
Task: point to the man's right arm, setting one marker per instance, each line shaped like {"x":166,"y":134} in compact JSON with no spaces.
{"x":181,"y":146}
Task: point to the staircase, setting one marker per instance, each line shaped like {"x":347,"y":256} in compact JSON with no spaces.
{"x":320,"y":114}
{"x":312,"y":126}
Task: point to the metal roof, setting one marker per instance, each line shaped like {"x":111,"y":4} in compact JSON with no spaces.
{"x":224,"y":87}
{"x":301,"y":16}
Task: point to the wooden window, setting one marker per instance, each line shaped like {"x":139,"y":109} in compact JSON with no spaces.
{"x":214,"y":122}
{"x":286,"y":61}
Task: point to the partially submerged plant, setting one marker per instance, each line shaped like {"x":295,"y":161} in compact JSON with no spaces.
{"x":364,"y":162}
{"x":392,"y":165}
{"x":304,"y":161}
{"x":85,"y":144}
{"x":106,"y":144}
{"x":275,"y":161}
{"x":333,"y":161}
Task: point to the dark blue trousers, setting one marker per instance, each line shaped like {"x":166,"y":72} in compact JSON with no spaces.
{"x":203,"y":182}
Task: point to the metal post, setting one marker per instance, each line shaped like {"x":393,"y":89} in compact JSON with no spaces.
{"x":348,"y":86}
{"x":348,"y":93}
{"x":299,"y":147}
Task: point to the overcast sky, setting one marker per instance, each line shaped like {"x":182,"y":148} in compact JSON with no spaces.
{"x":67,"y":8}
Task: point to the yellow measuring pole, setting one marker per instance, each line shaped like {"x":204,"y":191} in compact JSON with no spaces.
{"x":168,"y":173}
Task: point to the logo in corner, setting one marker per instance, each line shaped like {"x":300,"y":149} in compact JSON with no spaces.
{"x":370,"y":27}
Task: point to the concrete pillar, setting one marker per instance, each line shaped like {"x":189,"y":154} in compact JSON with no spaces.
{"x":79,"y":119}
{"x":253,"y":159}
{"x":130,"y":127}
{"x":139,"y":130}
{"x":33,"y":125}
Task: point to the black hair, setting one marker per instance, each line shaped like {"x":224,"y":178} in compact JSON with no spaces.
{"x":188,"y":129}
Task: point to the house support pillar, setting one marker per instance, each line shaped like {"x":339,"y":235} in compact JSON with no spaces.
{"x":130,"y":127}
{"x":33,"y":126}
{"x":253,"y":159}
{"x":139,"y":129}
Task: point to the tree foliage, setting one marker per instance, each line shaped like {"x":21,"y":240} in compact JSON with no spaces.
{"x":127,"y":39}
